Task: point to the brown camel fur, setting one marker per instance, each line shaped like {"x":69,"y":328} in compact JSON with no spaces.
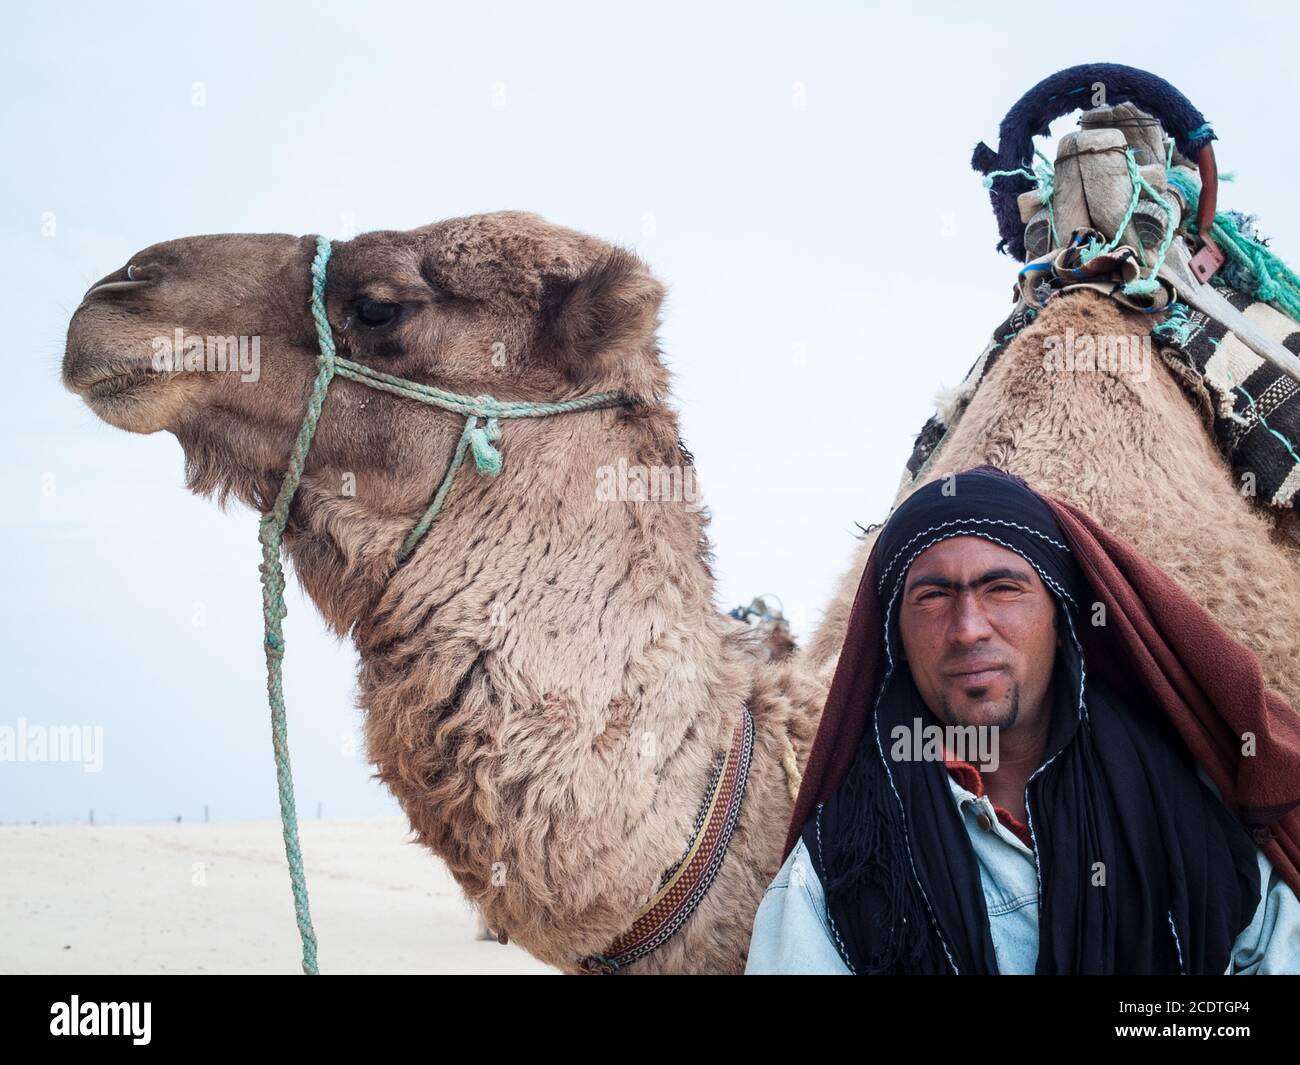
{"x":546,"y":681}
{"x":1138,"y":456}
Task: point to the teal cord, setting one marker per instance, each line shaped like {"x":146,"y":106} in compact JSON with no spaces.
{"x":1178,"y":328}
{"x":1286,"y":443}
{"x":483,"y":406}
{"x":479,"y":440}
{"x":1144,"y":286}
{"x":271,"y":535}
{"x":1092,"y":249}
{"x":1141,"y":286}
{"x":467,"y":440}
{"x":1043,"y":176}
{"x":1271,"y":279}
{"x":1046,"y":177}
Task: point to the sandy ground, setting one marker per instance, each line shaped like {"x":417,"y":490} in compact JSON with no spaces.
{"x":215,"y":899}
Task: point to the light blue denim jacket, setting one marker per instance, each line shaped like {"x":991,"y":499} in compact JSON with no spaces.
{"x":792,"y":935}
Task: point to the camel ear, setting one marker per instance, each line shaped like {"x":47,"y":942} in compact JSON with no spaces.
{"x":599,"y":328}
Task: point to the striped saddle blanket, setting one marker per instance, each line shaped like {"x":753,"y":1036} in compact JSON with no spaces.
{"x":1252,"y":405}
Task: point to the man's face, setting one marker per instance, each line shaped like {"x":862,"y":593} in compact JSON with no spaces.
{"x":979,"y":632}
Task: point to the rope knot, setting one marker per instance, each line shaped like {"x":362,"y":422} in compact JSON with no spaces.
{"x":481,"y":438}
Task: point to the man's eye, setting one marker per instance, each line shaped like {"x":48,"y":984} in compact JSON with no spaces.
{"x":373,"y":313}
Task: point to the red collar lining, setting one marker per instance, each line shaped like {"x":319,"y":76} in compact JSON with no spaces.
{"x":969,"y":778}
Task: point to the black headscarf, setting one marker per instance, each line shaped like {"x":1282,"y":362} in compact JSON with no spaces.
{"x":1177,"y":880}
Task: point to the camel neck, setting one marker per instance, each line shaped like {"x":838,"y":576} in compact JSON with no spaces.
{"x":547,"y":645}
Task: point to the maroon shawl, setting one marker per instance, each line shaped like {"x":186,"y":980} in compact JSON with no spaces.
{"x":1156,"y":636}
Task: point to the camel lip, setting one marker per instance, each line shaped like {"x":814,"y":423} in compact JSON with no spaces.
{"x":118,"y":384}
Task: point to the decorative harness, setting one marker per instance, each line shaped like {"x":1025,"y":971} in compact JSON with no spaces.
{"x":685,"y":883}
{"x":690,"y":878}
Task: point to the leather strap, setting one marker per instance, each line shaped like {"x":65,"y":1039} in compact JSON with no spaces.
{"x":683,"y":888}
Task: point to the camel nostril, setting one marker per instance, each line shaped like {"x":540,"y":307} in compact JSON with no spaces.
{"x":133,"y":277}
{"x":106,"y":287}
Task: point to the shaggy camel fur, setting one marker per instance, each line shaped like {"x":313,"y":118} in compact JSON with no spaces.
{"x":546,"y":681}
{"x":1138,"y":456}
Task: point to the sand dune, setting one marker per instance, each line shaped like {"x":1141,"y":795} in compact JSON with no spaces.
{"x":215,"y":899}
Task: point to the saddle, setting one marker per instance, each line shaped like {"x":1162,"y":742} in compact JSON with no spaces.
{"x":1129,"y":210}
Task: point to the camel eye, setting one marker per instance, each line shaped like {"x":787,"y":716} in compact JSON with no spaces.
{"x":374,"y":314}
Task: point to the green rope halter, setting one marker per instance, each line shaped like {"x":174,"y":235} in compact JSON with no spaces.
{"x":475,"y":438}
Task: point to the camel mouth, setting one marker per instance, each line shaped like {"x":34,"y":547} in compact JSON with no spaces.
{"x":111,"y":387}
{"x":119,"y":386}
{"x":111,"y":382}
{"x":133,"y":398}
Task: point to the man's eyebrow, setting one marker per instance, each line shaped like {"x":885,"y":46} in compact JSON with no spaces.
{"x":938,"y":581}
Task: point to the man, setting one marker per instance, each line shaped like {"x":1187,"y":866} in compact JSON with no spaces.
{"x":1092,"y":841}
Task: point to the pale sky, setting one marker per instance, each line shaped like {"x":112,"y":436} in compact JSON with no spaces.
{"x":796,"y":174}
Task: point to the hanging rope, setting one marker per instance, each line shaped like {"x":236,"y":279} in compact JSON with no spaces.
{"x":1260,"y":273}
{"x":479,"y":440}
{"x":1142,"y":286}
{"x":1043,"y":175}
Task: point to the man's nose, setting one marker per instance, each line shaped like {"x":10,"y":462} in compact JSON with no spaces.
{"x":970,"y":622}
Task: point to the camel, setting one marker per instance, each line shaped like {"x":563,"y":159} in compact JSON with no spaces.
{"x":546,"y":681}
{"x":1138,"y":456}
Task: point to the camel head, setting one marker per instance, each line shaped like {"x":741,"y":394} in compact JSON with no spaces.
{"x":211,"y":339}
{"x":549,"y":630}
